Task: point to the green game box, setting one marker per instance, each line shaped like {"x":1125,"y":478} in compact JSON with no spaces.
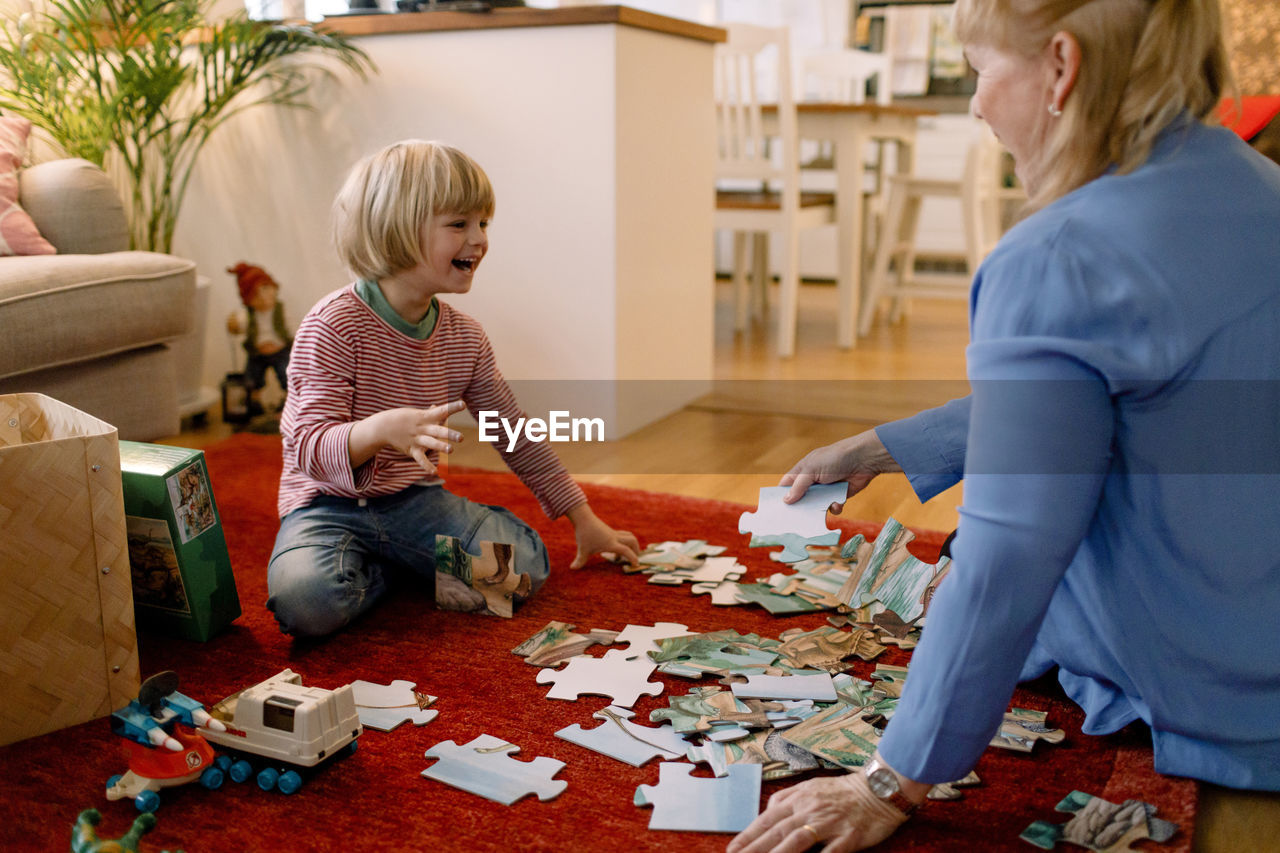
{"x":182,"y":580}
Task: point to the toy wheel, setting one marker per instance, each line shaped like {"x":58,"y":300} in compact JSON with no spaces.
{"x":289,"y":782}
{"x":212,"y":778}
{"x":351,"y":747}
{"x":267,"y":778}
{"x":147,"y":801}
{"x":223,"y":763}
{"x":240,"y":771}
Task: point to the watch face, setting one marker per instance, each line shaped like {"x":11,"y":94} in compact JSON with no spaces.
{"x":883,"y":782}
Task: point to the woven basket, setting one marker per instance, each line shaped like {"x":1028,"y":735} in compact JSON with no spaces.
{"x":68,"y":651}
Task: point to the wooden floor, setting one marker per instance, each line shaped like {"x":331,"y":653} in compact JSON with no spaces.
{"x":764,"y":413}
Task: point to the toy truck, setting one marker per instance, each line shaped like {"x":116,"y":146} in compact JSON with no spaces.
{"x":289,"y":726}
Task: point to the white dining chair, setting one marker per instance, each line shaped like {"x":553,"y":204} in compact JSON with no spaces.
{"x":758,"y":175}
{"x":983,"y":201}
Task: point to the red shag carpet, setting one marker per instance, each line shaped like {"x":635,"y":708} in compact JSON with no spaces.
{"x":376,"y":799}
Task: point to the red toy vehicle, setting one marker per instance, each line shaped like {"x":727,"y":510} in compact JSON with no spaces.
{"x":165,"y":747}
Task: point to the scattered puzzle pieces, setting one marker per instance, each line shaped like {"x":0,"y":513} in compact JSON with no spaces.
{"x":1100,"y":825}
{"x":622,"y":679}
{"x":556,"y":643}
{"x":687,"y":803}
{"x":484,"y":766}
{"x":385,"y":706}
{"x":624,"y":740}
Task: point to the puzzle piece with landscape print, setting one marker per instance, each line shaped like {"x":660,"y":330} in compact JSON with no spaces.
{"x":1101,"y":825}
{"x":1022,"y":728}
{"x":712,"y":570}
{"x":894,"y":577}
{"x":618,"y":737}
{"x":484,"y":766}
{"x":487,"y":583}
{"x":556,"y":643}
{"x":385,"y":706}
{"x":642,"y":640}
{"x":794,"y":525}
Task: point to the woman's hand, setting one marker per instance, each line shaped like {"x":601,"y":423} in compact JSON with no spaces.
{"x":411,"y":431}
{"x":856,"y":460}
{"x":594,"y":537}
{"x":839,"y":812}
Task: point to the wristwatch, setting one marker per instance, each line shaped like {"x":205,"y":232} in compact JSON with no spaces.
{"x":884,"y":785}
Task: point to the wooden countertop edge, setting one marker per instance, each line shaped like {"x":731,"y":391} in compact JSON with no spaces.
{"x":509,"y":17}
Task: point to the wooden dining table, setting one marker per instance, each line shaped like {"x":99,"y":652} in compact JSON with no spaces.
{"x":850,"y":128}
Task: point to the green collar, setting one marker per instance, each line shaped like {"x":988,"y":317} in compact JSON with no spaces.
{"x":371,"y":294}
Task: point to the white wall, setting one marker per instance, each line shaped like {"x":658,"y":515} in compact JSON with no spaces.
{"x":598,"y":142}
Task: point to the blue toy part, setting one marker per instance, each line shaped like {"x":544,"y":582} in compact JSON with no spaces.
{"x":268,"y":777}
{"x":240,"y":770}
{"x":289,"y":782}
{"x":184,"y":708}
{"x":135,"y":722}
{"x":147,"y":801}
{"x":212,"y":778}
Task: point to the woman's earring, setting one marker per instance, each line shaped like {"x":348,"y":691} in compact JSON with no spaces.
{"x":1055,"y":110}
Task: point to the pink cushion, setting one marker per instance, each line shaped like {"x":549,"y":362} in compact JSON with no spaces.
{"x":18,"y":234}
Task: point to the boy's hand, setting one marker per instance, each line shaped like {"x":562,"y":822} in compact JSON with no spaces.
{"x":411,"y":431}
{"x":594,"y":536}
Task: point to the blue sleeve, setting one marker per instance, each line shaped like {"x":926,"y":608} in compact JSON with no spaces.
{"x":1037,"y":454}
{"x":930,"y":446}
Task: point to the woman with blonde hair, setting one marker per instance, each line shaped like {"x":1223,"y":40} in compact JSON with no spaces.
{"x":1121,"y":444}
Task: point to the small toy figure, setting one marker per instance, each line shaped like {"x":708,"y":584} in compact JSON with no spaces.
{"x":165,"y":749}
{"x":84,"y":835}
{"x":267,"y":341}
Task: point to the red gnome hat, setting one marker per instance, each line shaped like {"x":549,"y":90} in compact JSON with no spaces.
{"x":249,"y":278}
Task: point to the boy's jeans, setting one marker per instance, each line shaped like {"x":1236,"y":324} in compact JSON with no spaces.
{"x":331,"y":558}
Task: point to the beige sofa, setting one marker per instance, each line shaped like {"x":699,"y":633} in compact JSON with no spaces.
{"x":90,"y":326}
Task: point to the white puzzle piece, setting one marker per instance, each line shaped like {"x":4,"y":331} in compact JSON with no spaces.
{"x":688,"y":803}
{"x":615,"y":675}
{"x":819,"y":688}
{"x":484,"y":766}
{"x":385,"y":706}
{"x":805,"y":518}
{"x":643,"y":639}
{"x":723,"y":594}
{"x":624,"y":740}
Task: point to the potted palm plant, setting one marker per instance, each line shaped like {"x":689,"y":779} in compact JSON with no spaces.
{"x":139,"y":86}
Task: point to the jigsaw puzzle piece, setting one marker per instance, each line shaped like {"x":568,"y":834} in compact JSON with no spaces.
{"x":779,"y":605}
{"x":622,"y":679}
{"x":485,"y":583}
{"x":1022,"y":728}
{"x":1100,"y":825}
{"x":484,"y":766}
{"x":643,"y":639}
{"x":556,"y":643}
{"x":723,"y":594}
{"x":795,"y":548}
{"x":805,"y":518}
{"x":624,"y":740}
{"x":816,"y":687}
{"x":687,"y":803}
{"x":385,"y":706}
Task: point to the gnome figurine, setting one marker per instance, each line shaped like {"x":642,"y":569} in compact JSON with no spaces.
{"x":267,"y":340}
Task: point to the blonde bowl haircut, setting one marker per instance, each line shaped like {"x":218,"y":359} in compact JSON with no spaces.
{"x":388,"y":196}
{"x":1143,"y":63}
